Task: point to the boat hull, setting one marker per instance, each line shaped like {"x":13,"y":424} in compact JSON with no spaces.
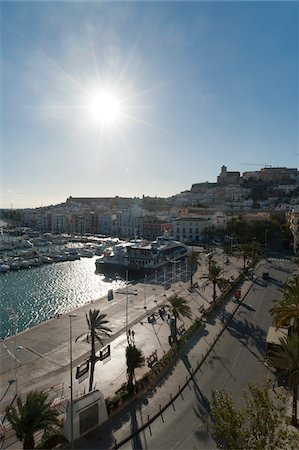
{"x":114,"y":269}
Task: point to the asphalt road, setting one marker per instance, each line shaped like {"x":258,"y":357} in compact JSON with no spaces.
{"x":237,"y":358}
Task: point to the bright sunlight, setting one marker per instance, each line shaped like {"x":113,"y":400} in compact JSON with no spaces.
{"x":105,"y":108}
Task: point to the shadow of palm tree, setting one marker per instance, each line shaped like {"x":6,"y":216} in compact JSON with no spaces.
{"x":248,"y":334}
{"x":136,"y":441}
{"x":203,"y":412}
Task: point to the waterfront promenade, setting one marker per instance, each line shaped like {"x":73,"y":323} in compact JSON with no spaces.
{"x":44,"y":357}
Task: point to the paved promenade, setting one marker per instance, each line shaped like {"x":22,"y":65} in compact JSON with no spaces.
{"x":43,"y":361}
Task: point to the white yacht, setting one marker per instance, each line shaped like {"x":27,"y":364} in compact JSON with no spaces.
{"x":4,"y":268}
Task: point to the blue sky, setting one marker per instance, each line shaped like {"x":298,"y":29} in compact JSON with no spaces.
{"x":200,"y":85}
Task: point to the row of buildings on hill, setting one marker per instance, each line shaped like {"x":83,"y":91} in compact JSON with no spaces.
{"x":186,"y":215}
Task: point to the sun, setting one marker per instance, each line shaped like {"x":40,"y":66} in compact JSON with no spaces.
{"x":104,"y":108}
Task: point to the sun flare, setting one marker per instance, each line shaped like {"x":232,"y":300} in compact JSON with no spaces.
{"x":104,"y":108}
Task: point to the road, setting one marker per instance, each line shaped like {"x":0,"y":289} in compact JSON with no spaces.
{"x":237,"y":358}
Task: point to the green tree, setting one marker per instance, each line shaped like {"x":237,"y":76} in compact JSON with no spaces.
{"x":35,"y":414}
{"x":97,"y":327}
{"x":178,"y":308}
{"x":246,"y":253}
{"x":259,"y":424}
{"x":214,"y":278}
{"x":193,"y":261}
{"x":286,"y":359}
{"x":135,"y":360}
{"x":286,"y":310}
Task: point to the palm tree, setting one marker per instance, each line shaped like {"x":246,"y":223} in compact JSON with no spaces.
{"x":246,"y":252}
{"x":286,"y":358}
{"x":97,"y":328}
{"x":135,"y":359}
{"x":286,"y":310}
{"x":213,"y":277}
{"x":33,"y":415}
{"x":178,"y":308}
{"x":193,"y":261}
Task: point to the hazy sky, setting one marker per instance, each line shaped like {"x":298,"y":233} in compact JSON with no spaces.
{"x":131,"y":98}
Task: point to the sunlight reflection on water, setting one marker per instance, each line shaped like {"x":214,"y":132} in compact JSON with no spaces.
{"x":38,"y":294}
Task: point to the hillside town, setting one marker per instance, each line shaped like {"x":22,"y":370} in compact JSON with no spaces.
{"x":269,"y":193}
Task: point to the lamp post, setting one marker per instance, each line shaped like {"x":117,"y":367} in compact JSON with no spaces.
{"x":19,"y":347}
{"x":266,"y":235}
{"x":127,"y":306}
{"x":71,"y":375}
{"x":253,"y":247}
{"x":145,"y":307}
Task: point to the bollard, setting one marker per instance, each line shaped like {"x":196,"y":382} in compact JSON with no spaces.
{"x":179,"y":387}
{"x":115,"y":442}
{"x":148,"y":417}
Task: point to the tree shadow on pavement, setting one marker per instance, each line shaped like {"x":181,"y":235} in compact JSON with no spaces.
{"x":103,"y":436}
{"x":203,"y":413}
{"x":248,"y":334}
{"x":136,"y":441}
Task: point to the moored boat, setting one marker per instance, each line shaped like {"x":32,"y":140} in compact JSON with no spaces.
{"x":142,"y":256}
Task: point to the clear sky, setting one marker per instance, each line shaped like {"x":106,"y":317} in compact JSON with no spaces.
{"x":132,"y":98}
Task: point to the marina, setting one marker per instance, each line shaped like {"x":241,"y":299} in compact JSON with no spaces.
{"x":45,"y":276}
{"x":35,"y":295}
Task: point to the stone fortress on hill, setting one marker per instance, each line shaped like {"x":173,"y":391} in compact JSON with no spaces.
{"x":268,"y":174}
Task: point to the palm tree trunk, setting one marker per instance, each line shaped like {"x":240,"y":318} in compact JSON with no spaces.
{"x":295,"y":396}
{"x":28,"y":443}
{"x":175,"y":329}
{"x":92,"y":366}
{"x":214,"y":291}
{"x":130,"y":383}
{"x":92,"y":362}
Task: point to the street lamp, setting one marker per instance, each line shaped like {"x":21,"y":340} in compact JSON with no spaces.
{"x":155,"y":287}
{"x":19,"y":347}
{"x":127,"y":305}
{"x":266,"y":234}
{"x":145,"y":307}
{"x":71,"y":375}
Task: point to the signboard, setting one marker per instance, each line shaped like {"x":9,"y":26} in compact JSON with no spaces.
{"x":104,"y":353}
{"x":110,"y":295}
{"x":82,"y":370}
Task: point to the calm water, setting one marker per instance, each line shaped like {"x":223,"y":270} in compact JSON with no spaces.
{"x":39,"y":293}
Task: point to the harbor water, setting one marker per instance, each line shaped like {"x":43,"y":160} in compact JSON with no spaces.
{"x":35,"y":295}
